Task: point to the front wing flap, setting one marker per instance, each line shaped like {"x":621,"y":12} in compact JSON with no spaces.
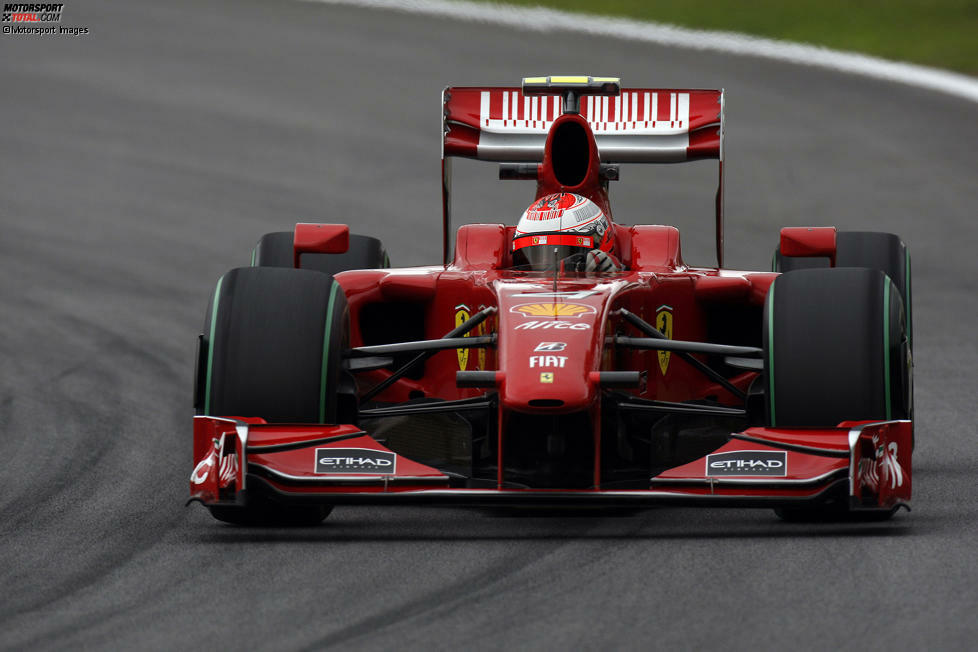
{"x":869,"y":462}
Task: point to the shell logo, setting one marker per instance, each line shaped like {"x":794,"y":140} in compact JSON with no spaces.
{"x":553,"y":309}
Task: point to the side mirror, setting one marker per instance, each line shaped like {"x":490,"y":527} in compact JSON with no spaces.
{"x":319,"y":239}
{"x":809,"y":242}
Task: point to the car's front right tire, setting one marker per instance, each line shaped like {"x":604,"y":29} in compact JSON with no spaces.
{"x":835,"y":349}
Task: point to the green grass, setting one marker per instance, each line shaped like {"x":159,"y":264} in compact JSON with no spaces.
{"x":941,"y":33}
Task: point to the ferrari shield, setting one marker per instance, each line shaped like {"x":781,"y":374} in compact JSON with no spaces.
{"x":663,"y":322}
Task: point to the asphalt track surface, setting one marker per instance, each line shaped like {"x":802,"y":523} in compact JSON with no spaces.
{"x":138,"y":163}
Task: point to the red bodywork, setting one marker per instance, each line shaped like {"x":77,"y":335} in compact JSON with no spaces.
{"x":555,"y":337}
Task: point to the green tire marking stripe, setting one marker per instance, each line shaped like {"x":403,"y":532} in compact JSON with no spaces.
{"x":327,"y":331}
{"x":770,"y":349}
{"x":907,"y":308}
{"x":210,"y":346}
{"x":886,"y":343}
{"x":253,"y":255}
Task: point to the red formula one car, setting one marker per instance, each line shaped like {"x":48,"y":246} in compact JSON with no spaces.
{"x":567,"y":360}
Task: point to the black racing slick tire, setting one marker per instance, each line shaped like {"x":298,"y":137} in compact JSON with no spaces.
{"x":273,"y":345}
{"x":274,"y":342}
{"x":275,"y":250}
{"x":835,"y":348}
{"x":875,"y":250}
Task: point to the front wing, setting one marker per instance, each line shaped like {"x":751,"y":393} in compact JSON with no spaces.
{"x":869,"y":462}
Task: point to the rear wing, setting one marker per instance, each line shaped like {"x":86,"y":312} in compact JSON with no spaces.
{"x":639,"y":125}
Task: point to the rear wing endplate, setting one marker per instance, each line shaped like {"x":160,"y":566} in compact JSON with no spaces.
{"x":641,"y":125}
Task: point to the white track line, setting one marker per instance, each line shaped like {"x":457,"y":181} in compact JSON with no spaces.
{"x":540,"y":19}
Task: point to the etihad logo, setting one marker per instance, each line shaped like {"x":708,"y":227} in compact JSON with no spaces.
{"x":355,"y":460}
{"x":747,"y":463}
{"x":553,"y":309}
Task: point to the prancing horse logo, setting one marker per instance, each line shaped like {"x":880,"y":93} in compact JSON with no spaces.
{"x":461,"y":316}
{"x":663,"y":322}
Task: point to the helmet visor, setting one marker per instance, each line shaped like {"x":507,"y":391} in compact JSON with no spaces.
{"x":548,"y":255}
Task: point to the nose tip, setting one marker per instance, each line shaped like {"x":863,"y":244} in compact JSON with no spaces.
{"x":534,"y":391}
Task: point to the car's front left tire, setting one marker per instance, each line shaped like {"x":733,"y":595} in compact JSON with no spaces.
{"x":274,"y":340}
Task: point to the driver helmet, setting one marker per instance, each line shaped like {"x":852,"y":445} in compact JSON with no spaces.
{"x":572,"y":225}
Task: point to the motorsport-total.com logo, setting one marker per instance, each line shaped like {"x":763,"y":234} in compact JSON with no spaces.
{"x":35,"y":18}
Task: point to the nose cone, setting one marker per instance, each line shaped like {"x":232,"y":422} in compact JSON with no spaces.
{"x":549,"y":343}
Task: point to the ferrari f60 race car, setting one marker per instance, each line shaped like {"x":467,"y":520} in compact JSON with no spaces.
{"x":325,"y":377}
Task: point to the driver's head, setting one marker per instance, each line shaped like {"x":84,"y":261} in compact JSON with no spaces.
{"x":560,"y":226}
